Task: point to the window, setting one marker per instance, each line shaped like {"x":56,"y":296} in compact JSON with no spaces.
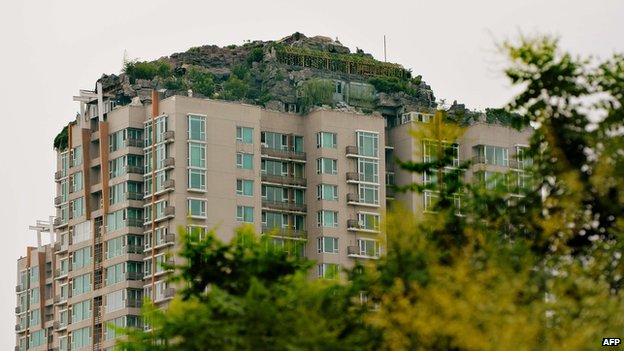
{"x":326,"y":140}
{"x":114,"y":247}
{"x":34,"y":317}
{"x":368,"y":170}
{"x":161,"y":128}
{"x":369,"y":248}
{"x":328,"y":270}
{"x":76,"y":156}
{"x":431,"y":153}
{"x":81,"y":258}
{"x":64,"y":164}
{"x":327,"y":245}
{"x":81,"y":232}
{"x":523,"y":157}
{"x":368,"y":221}
{"x":161,"y":236}
{"x":81,"y":284}
{"x":368,"y":144}
{"x":113,"y":325}
{"x":430,"y":199}
{"x":244,"y":161}
{"x":64,"y":193}
{"x":244,"y":187}
{"x":271,"y":167}
{"x":327,"y":192}
{"x":197,"y":208}
{"x":196,"y":179}
{"x":80,"y":311}
{"x":274,"y":220}
{"x":81,"y":338}
{"x":274,"y":193}
{"x":34,"y":275}
{"x":36,"y":338}
{"x":114,"y":301}
{"x":274,"y":140}
{"x":34,"y":296}
{"x":77,"y":208}
{"x":244,"y":214}
{"x":161,"y":154}
{"x":244,"y":134}
{"x":491,"y":180}
{"x":196,"y":127}
{"x":197,"y":155}
{"x":76,"y":182}
{"x":127,"y":137}
{"x":160,"y":211}
{"x":327,"y":219}
{"x":326,"y":166}
{"x":492,"y":155}
{"x":368,"y":194}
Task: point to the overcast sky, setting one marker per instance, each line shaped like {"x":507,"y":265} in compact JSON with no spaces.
{"x":50,"y":49}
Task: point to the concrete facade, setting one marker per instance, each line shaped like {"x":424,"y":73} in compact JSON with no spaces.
{"x":317,"y":184}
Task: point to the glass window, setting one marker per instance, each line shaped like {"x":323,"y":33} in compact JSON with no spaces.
{"x":196,"y":127}
{"x":274,"y":193}
{"x":327,"y":245}
{"x":81,"y":258}
{"x":368,"y":221}
{"x":271,"y":167}
{"x":77,"y":208}
{"x":244,"y":187}
{"x":492,"y":155}
{"x":368,"y":170}
{"x":76,"y":182}
{"x":523,"y":157}
{"x":327,"y":218}
{"x":368,"y":144}
{"x":81,"y":284}
{"x":244,"y":161}
{"x":326,"y":140}
{"x":196,"y":179}
{"x":80,"y":311}
{"x":326,"y":166}
{"x":274,"y":220}
{"x":328,"y":270}
{"x":81,"y":338}
{"x":244,"y":134}
{"x":430,"y":152}
{"x":197,"y":208}
{"x":197,"y":155}
{"x":76,"y":156}
{"x":327,"y":192}
{"x":368,"y":194}
{"x":369,"y":248}
{"x":245,"y":214}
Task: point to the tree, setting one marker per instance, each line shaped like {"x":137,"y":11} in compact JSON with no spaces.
{"x":249,"y":295}
{"x":543,"y":274}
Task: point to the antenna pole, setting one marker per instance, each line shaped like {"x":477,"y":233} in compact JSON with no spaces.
{"x":385,"y":60}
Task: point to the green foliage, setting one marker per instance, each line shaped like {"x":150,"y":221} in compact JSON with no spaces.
{"x":315,"y":92}
{"x":255,"y":55}
{"x":234,"y":89}
{"x":61,"y":140}
{"x":392,"y":85}
{"x":200,"y":81}
{"x":241,"y":72}
{"x":244,"y":295}
{"x":147,"y":70}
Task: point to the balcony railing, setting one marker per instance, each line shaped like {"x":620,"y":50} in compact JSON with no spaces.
{"x":134,"y":275}
{"x":352,"y":197}
{"x":169,"y":135}
{"x":58,"y":175}
{"x":19,"y":288}
{"x":169,"y":292}
{"x":133,"y":249}
{"x":134,"y":303}
{"x":133,"y":196}
{"x":169,"y":211}
{"x":58,"y":200}
{"x":352,"y":150}
{"x":133,"y":169}
{"x":283,"y":154}
{"x":352,"y":224}
{"x":284,"y":180}
{"x":285,"y":232}
{"x":284,"y":206}
{"x":134,"y":143}
{"x":169,"y":162}
{"x":18,"y":310}
{"x":353,"y":250}
{"x":134,"y":222}
{"x":169,"y":184}
{"x":353,"y":177}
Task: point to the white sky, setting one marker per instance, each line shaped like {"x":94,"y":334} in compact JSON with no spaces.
{"x":50,"y":49}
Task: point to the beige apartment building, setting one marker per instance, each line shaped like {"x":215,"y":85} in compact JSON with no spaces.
{"x":132,"y":175}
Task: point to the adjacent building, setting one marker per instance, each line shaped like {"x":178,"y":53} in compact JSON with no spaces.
{"x":131,"y":176}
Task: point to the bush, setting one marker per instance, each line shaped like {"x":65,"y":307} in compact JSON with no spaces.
{"x":256,"y":55}
{"x":234,"y":89}
{"x":147,"y":70}
{"x":316,"y":92}
{"x":200,"y":82}
{"x":391,"y":85}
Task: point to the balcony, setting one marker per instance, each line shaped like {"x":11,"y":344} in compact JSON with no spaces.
{"x":284,"y":180}
{"x":133,"y":196}
{"x":353,"y":177}
{"x":169,"y":293}
{"x":169,"y":184}
{"x":133,"y":249}
{"x":169,"y":211}
{"x":353,"y":198}
{"x":59,"y":222}
{"x":18,"y":310}
{"x":133,"y":169}
{"x":169,"y":162}
{"x":353,"y":251}
{"x":169,"y":136}
{"x":285,"y":232}
{"x":133,"y":143}
{"x":167,"y":240}
{"x":58,"y":201}
{"x":19,"y":288}
{"x":133,"y":303}
{"x":352,"y":151}
{"x":59,"y":175}
{"x":352,"y":224}
{"x":284,"y":206}
{"x":134,"y":276}
{"x":283,"y":154}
